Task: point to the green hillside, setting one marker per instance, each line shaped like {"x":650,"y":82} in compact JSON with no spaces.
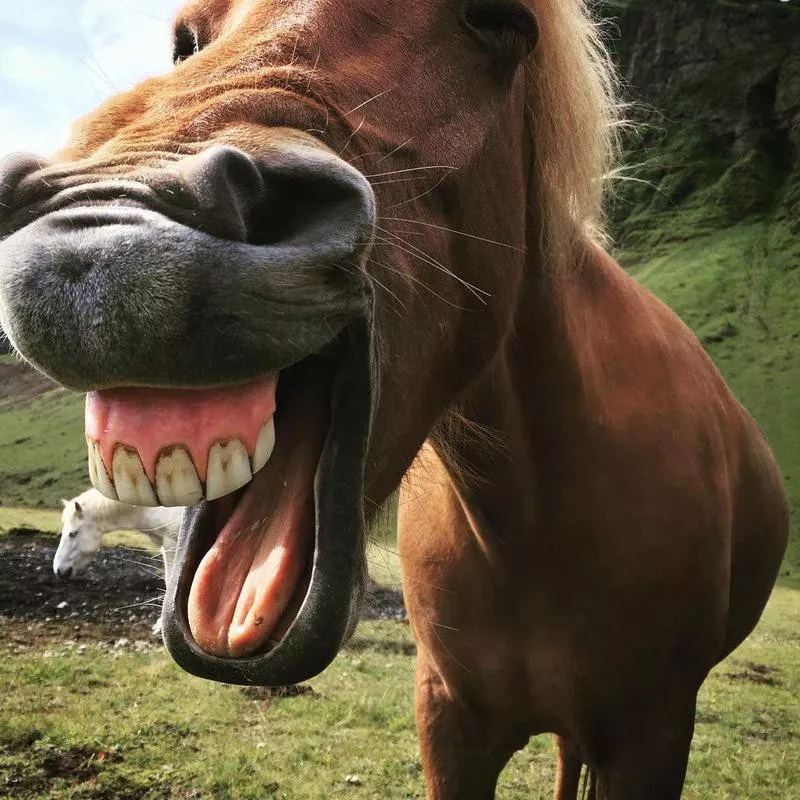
{"x":42,"y":450}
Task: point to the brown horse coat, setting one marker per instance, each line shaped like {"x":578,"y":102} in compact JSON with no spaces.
{"x":622,"y":540}
{"x":395,"y":205}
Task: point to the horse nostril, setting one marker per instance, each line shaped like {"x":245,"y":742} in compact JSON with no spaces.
{"x":226,"y":182}
{"x":296,"y":195}
{"x":65,"y":573}
{"x":113,"y":294}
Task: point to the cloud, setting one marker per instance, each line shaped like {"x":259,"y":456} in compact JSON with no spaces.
{"x":61,"y":58}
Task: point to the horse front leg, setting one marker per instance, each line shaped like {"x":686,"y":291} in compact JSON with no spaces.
{"x":649,"y":753}
{"x":463,"y":752}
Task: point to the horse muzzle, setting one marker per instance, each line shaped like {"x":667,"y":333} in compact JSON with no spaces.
{"x":217,"y":268}
{"x":200,"y":304}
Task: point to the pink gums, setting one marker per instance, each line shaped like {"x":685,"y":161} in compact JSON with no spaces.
{"x":150,"y":420}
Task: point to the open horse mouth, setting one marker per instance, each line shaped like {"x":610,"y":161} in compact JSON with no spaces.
{"x":267,"y":582}
{"x":228,"y":370}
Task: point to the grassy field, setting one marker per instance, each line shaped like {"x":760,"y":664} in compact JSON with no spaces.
{"x":104,"y":721}
{"x":93,"y":720}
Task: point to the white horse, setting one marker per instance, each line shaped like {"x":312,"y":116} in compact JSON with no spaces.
{"x":87,"y":517}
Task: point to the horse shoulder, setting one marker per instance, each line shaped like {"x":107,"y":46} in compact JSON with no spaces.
{"x":643,"y":372}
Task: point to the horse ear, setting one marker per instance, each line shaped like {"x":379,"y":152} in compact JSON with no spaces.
{"x":64,"y":502}
{"x":78,"y":509}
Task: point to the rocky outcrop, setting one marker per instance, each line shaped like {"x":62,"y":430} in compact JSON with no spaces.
{"x":732,"y":65}
{"x":716,"y":84}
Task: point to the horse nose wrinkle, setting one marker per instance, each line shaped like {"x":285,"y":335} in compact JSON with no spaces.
{"x":228,"y":182}
{"x":14,"y":169}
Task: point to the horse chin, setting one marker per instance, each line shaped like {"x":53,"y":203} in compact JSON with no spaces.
{"x":318,"y":599}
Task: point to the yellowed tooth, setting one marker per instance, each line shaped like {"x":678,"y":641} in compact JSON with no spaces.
{"x":130,"y":480}
{"x":97,"y":472}
{"x":177,"y":483}
{"x":228,"y":468}
{"x":265,"y":444}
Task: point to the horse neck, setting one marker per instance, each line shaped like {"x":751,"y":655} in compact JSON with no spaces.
{"x":109,"y":515}
{"x":529,"y":407}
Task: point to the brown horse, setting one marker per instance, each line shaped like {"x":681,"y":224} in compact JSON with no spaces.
{"x":394,"y":207}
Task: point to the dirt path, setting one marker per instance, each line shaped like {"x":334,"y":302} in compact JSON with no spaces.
{"x":118,"y":597}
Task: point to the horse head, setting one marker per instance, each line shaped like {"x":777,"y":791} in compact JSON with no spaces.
{"x":80,"y":540}
{"x":275,"y":268}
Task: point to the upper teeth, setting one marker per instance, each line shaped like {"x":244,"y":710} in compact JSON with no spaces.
{"x":228,"y":468}
{"x":97,"y":472}
{"x":177,"y":482}
{"x":130,"y":480}
{"x":264,"y":446}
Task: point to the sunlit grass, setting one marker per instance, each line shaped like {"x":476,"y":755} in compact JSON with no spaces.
{"x":39,"y":519}
{"x":143,"y":728}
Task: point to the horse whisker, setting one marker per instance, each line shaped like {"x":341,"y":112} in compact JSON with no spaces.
{"x":148,"y":568}
{"x":153,"y":555}
{"x":410,"y":169}
{"x":396,"y":180}
{"x":152,"y":601}
{"x":414,"y":280}
{"x":361,"y":105}
{"x":478,"y":293}
{"x":422,"y":194}
{"x":452,"y":230}
{"x":350,"y":138}
{"x":159,"y":527}
{"x":396,"y":150}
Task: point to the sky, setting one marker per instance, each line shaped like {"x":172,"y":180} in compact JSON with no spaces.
{"x":61,"y":58}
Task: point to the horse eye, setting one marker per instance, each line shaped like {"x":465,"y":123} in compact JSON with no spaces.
{"x":506,"y":26}
{"x":185,"y":45}
{"x":73,"y":534}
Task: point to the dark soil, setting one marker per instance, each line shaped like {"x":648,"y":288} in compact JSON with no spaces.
{"x":269,"y":694}
{"x":759,"y":674}
{"x":117,"y":598}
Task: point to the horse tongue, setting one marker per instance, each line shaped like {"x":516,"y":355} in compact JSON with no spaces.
{"x":246,"y":581}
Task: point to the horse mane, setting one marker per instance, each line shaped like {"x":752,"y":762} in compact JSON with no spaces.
{"x":95,"y":502}
{"x":573,"y":120}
